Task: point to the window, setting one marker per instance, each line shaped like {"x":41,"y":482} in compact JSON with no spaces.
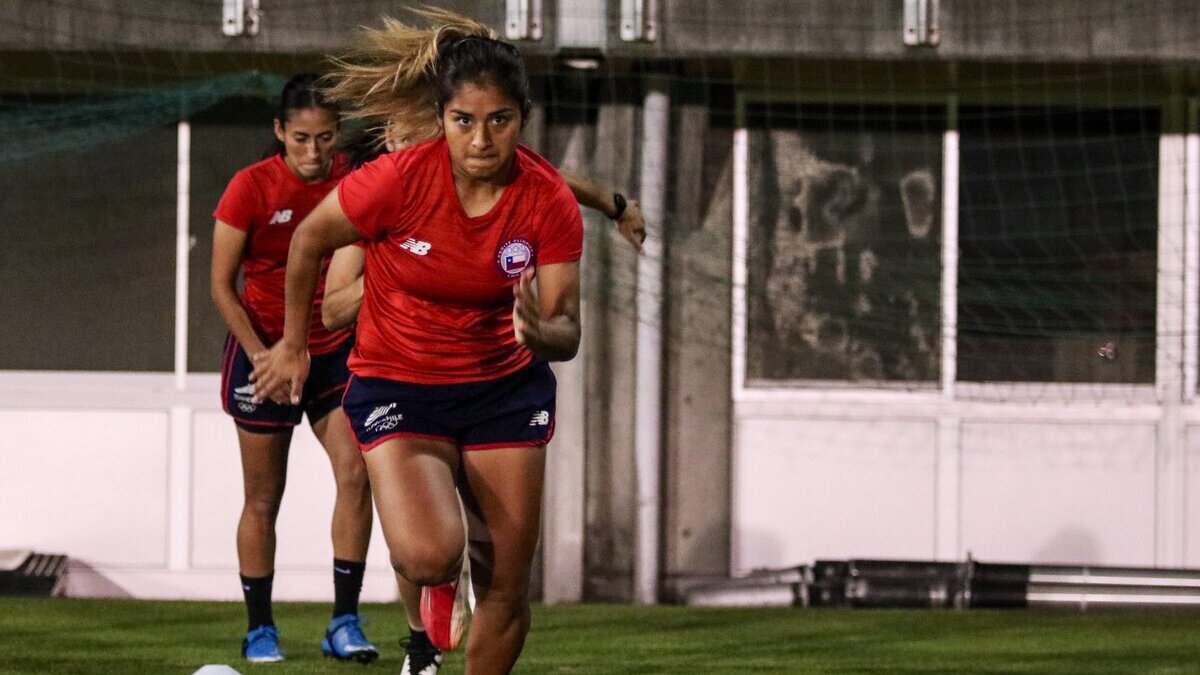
{"x":88,"y":262}
{"x":1058,"y":238}
{"x":844,"y":249}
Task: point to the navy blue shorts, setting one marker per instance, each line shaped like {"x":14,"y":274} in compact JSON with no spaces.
{"x":327,"y":378}
{"x":512,"y":411}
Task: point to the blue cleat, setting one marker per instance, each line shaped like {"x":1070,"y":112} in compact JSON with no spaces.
{"x":262,"y":645}
{"x":344,"y":641}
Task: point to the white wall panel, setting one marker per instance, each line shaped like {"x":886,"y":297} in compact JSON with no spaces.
{"x":1059,"y":492}
{"x":1191,"y":519}
{"x":91,"y":484}
{"x":303,"y":529}
{"x":832,"y":488}
{"x":216,"y":491}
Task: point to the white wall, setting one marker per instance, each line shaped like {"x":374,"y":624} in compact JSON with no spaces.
{"x":140,"y":485}
{"x":810,"y":476}
{"x":1016,"y":482}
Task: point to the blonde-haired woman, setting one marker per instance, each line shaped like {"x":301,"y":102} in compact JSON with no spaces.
{"x":451,"y":385}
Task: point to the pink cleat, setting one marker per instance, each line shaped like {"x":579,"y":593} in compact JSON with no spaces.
{"x":446,"y":611}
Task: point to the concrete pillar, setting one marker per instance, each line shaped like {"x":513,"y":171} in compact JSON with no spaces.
{"x":697,"y":395}
{"x":610,"y":323}
{"x":564,"y":499}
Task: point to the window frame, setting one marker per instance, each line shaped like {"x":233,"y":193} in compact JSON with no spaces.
{"x":1174,"y":152}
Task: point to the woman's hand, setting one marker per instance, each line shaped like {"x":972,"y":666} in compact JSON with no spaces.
{"x":279,"y":373}
{"x":546,"y":316}
{"x":632,"y":225}
{"x":526,"y":317}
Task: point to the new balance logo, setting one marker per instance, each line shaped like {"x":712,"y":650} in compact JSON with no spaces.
{"x":377,"y":413}
{"x":417,"y":247}
{"x":284,"y":216}
{"x":540,"y":418}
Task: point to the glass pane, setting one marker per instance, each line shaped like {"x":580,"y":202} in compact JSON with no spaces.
{"x":844,"y":243}
{"x":88,"y":262}
{"x":1058,"y":236}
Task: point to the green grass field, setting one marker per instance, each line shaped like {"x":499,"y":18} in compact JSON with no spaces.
{"x":125,"y":636}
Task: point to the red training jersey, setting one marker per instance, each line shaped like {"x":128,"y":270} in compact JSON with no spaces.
{"x":267,"y":202}
{"x":437,"y":293}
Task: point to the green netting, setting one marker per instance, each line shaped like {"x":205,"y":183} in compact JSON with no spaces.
{"x":87,"y":121}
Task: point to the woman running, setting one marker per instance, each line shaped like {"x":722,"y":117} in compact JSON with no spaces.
{"x":451,"y":385}
{"x":343,"y":297}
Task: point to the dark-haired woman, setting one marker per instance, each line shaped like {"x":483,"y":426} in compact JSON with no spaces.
{"x":451,"y":383}
{"x":343,"y":297}
{"x":255,"y":219}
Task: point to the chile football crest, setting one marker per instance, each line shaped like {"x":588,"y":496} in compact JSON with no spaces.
{"x":513,"y":257}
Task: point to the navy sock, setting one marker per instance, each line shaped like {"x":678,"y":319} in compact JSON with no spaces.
{"x":347,"y":584}
{"x":257,"y":591}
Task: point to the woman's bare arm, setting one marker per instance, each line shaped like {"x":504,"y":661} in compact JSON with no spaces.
{"x":229,"y":244}
{"x":343,"y":288}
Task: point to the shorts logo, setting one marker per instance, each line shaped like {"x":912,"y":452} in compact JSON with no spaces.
{"x":540,"y":418}
{"x":244,"y":395}
{"x":416,"y":247}
{"x":514,"y":256}
{"x":284,"y":216}
{"x":377,"y":413}
{"x":380,"y":420}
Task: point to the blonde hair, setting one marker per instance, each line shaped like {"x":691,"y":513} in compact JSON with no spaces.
{"x":388,"y":78}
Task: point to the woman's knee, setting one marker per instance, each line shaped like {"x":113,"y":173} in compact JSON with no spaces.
{"x":263,"y":504}
{"x":509,"y":594}
{"x":351,"y":478}
{"x":429,"y":565}
{"x":510,"y":611}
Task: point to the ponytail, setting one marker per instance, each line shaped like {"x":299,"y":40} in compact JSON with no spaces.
{"x":397,"y":78}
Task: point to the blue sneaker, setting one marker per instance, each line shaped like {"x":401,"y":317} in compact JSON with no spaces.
{"x":344,"y":641}
{"x":262,"y":645}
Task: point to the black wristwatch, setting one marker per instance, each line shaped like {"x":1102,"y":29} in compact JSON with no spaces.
{"x":619,"y":200}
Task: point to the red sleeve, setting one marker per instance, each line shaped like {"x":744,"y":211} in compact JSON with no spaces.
{"x":562,"y":228}
{"x":369,"y":197}
{"x":239,"y":203}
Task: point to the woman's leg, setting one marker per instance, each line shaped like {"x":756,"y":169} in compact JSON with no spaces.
{"x":352,"y":506}
{"x":350,"y":529}
{"x":412,"y":481}
{"x":351,"y":532}
{"x":503,"y":491}
{"x":410,"y":595}
{"x":264,"y":474}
